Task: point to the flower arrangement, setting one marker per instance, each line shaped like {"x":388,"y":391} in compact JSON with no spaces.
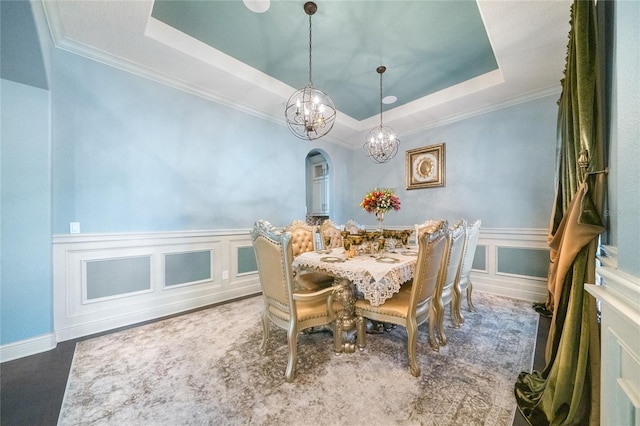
{"x":380,"y":200}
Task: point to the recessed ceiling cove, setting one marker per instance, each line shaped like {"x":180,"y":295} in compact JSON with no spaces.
{"x":426,"y":45}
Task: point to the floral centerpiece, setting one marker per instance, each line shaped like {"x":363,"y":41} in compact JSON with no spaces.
{"x":379,"y":201}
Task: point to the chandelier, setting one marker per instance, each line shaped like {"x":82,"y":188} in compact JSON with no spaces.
{"x":310,"y":113}
{"x":381,"y":143}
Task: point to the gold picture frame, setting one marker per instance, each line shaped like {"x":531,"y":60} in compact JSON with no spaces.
{"x":425,"y":167}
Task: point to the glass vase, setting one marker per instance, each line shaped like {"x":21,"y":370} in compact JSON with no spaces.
{"x":380,"y":218}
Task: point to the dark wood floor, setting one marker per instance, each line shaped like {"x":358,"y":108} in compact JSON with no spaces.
{"x":33,"y":386}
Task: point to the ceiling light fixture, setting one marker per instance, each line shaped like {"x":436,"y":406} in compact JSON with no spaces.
{"x":381,"y":143}
{"x":310,"y":113}
{"x":257,"y":6}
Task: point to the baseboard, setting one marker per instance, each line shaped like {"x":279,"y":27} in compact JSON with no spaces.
{"x":27,"y":347}
{"x":530,"y":290}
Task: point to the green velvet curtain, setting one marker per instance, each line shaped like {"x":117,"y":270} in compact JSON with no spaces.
{"x":567,"y":391}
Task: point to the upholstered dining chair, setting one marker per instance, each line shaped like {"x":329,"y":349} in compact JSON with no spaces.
{"x":410,"y":307}
{"x":330,"y":230}
{"x":285,"y":306}
{"x":464,"y":280}
{"x":353,"y":227}
{"x":448,"y":293}
{"x":302,"y":235}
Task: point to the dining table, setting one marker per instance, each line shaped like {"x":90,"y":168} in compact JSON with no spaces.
{"x":375,"y":277}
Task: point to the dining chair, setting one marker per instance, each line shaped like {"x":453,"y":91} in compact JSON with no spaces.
{"x":302,"y":240}
{"x":447,"y":292}
{"x":330,"y":230}
{"x":286,"y":306}
{"x":353,"y":227}
{"x":410,"y":307}
{"x":464,"y":280}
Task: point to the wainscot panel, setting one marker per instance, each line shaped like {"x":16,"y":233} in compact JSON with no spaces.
{"x":106,"y":281}
{"x":514,"y":261}
{"x":509,"y":262}
{"x":223,"y":269}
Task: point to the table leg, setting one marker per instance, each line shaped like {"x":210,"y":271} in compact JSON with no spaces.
{"x":345,"y":333}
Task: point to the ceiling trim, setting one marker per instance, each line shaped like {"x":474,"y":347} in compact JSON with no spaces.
{"x":265,"y":97}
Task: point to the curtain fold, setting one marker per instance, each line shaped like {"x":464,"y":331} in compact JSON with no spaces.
{"x":567,"y":392}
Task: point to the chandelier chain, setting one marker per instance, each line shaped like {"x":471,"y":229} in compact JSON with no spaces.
{"x":380,"y":99}
{"x":310,"y":81}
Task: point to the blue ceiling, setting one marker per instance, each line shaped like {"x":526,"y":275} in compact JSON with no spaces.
{"x":426,"y":46}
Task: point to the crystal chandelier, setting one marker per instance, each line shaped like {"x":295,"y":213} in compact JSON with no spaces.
{"x":310,"y":113}
{"x":381,"y":143}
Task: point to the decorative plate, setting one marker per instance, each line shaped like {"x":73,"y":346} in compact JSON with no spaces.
{"x":332,"y":259}
{"x":386,"y":259}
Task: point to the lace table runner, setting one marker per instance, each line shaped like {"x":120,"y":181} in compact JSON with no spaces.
{"x":377,"y":281}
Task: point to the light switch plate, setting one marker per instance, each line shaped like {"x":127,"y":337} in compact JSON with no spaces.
{"x":74,"y":227}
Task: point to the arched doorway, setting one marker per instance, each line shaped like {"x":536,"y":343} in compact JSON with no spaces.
{"x":318,"y":187}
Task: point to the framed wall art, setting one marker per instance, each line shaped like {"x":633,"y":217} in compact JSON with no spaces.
{"x":425,"y":167}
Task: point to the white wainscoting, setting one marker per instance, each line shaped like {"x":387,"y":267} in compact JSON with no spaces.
{"x":492,"y":280}
{"x":75,"y":315}
{"x":619,"y":297}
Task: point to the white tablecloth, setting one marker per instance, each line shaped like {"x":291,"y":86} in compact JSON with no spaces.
{"x":376,"y":280}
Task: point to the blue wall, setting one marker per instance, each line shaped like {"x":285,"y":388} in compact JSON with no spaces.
{"x":624,"y":176}
{"x":26,"y":305}
{"x":499,"y":168}
{"x":134,"y":155}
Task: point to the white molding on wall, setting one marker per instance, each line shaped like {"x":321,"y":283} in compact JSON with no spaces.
{"x":491,"y":280}
{"x":73,"y":319}
{"x":74,"y":316}
{"x":32,"y":346}
{"x":619,"y":297}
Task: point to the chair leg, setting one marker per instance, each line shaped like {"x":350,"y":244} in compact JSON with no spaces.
{"x":412,"y":343}
{"x":454,"y":306}
{"x":456,"y":315}
{"x":266,"y":330}
{"x":438,"y":325}
{"x":433,"y":342}
{"x":469,"y":290}
{"x":292,"y":338}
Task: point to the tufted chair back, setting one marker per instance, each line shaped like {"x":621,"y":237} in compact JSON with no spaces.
{"x":330,"y":229}
{"x":301,"y":236}
{"x":301,"y":242}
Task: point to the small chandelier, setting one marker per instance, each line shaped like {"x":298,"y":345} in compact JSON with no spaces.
{"x":310,"y":113}
{"x":381,"y":143}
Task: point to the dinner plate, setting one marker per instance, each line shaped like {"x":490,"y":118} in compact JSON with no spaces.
{"x":386,"y":259}
{"x":332,"y":259}
{"x":409,"y":253}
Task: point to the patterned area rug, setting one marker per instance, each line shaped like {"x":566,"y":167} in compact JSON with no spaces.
{"x":205,"y":368}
